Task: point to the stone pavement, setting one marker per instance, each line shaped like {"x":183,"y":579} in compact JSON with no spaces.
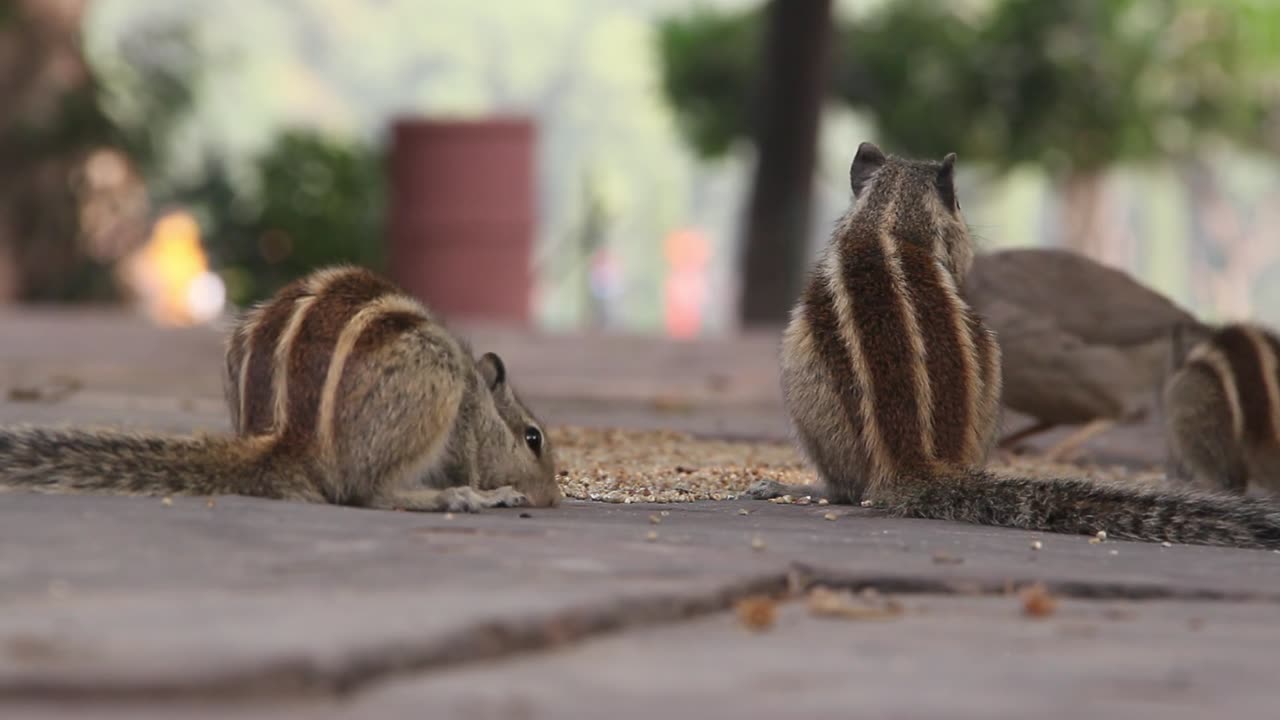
{"x":136,"y":608}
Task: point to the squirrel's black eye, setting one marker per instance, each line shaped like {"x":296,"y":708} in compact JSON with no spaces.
{"x":533,"y":438}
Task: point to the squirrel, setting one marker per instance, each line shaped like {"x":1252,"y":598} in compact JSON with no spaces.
{"x":1221,"y":407}
{"x":892,"y":383}
{"x":342,"y":389}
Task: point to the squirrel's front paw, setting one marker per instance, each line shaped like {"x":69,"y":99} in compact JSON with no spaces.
{"x":505,"y":496}
{"x":767,"y":489}
{"x":462,"y":499}
{"x":467,"y":499}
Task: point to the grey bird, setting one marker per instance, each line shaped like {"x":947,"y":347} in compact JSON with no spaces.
{"x":1082,"y":343}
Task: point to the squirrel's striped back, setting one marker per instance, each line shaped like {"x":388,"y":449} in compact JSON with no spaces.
{"x":286,"y":357}
{"x":882,"y":338}
{"x":1243,"y":361}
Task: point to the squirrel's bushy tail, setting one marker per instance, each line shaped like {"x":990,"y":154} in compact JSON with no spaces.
{"x":1079,"y":506}
{"x":117,"y":462}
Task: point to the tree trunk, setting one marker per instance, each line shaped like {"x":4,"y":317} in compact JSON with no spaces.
{"x":796,"y":58}
{"x":1089,"y":221}
{"x":47,"y":132}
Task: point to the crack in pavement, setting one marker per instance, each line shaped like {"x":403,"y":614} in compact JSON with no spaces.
{"x":298,"y":679}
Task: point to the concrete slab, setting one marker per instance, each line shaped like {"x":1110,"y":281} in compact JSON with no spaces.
{"x":112,"y":599}
{"x":949,"y":657}
{"x":944,"y":657}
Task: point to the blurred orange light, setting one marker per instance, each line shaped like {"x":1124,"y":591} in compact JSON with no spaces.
{"x":170,"y":274}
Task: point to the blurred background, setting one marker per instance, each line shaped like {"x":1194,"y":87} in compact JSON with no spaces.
{"x":651,"y":167}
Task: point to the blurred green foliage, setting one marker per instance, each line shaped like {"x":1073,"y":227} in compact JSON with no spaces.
{"x":1066,"y":86}
{"x":709,"y":60}
{"x":309,"y":200}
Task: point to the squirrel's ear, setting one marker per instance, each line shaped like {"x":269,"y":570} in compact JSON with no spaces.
{"x":947,"y":180}
{"x":866,"y":161}
{"x":493,"y":371}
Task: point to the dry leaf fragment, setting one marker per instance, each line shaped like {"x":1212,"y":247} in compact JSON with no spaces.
{"x":757,"y":613}
{"x":824,"y":602}
{"x":1037,"y":602}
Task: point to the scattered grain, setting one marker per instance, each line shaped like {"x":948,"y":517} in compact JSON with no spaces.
{"x":611,"y":465}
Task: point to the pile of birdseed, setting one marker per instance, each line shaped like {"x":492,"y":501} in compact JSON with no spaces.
{"x":626,"y":466}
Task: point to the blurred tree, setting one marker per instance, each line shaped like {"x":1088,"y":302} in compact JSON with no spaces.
{"x":792,"y":87}
{"x":72,"y":194}
{"x":50,"y":125}
{"x":710,"y":60}
{"x":1069,"y":87}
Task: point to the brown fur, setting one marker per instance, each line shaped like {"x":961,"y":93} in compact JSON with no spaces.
{"x":1222,"y":408}
{"x":341,"y":389}
{"x":893,"y":383}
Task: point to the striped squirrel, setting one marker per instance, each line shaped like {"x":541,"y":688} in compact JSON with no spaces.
{"x":1221,"y":407}
{"x":892,"y":383}
{"x":342,"y":389}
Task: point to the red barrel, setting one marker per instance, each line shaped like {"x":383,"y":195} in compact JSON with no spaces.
{"x":462,"y":218}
